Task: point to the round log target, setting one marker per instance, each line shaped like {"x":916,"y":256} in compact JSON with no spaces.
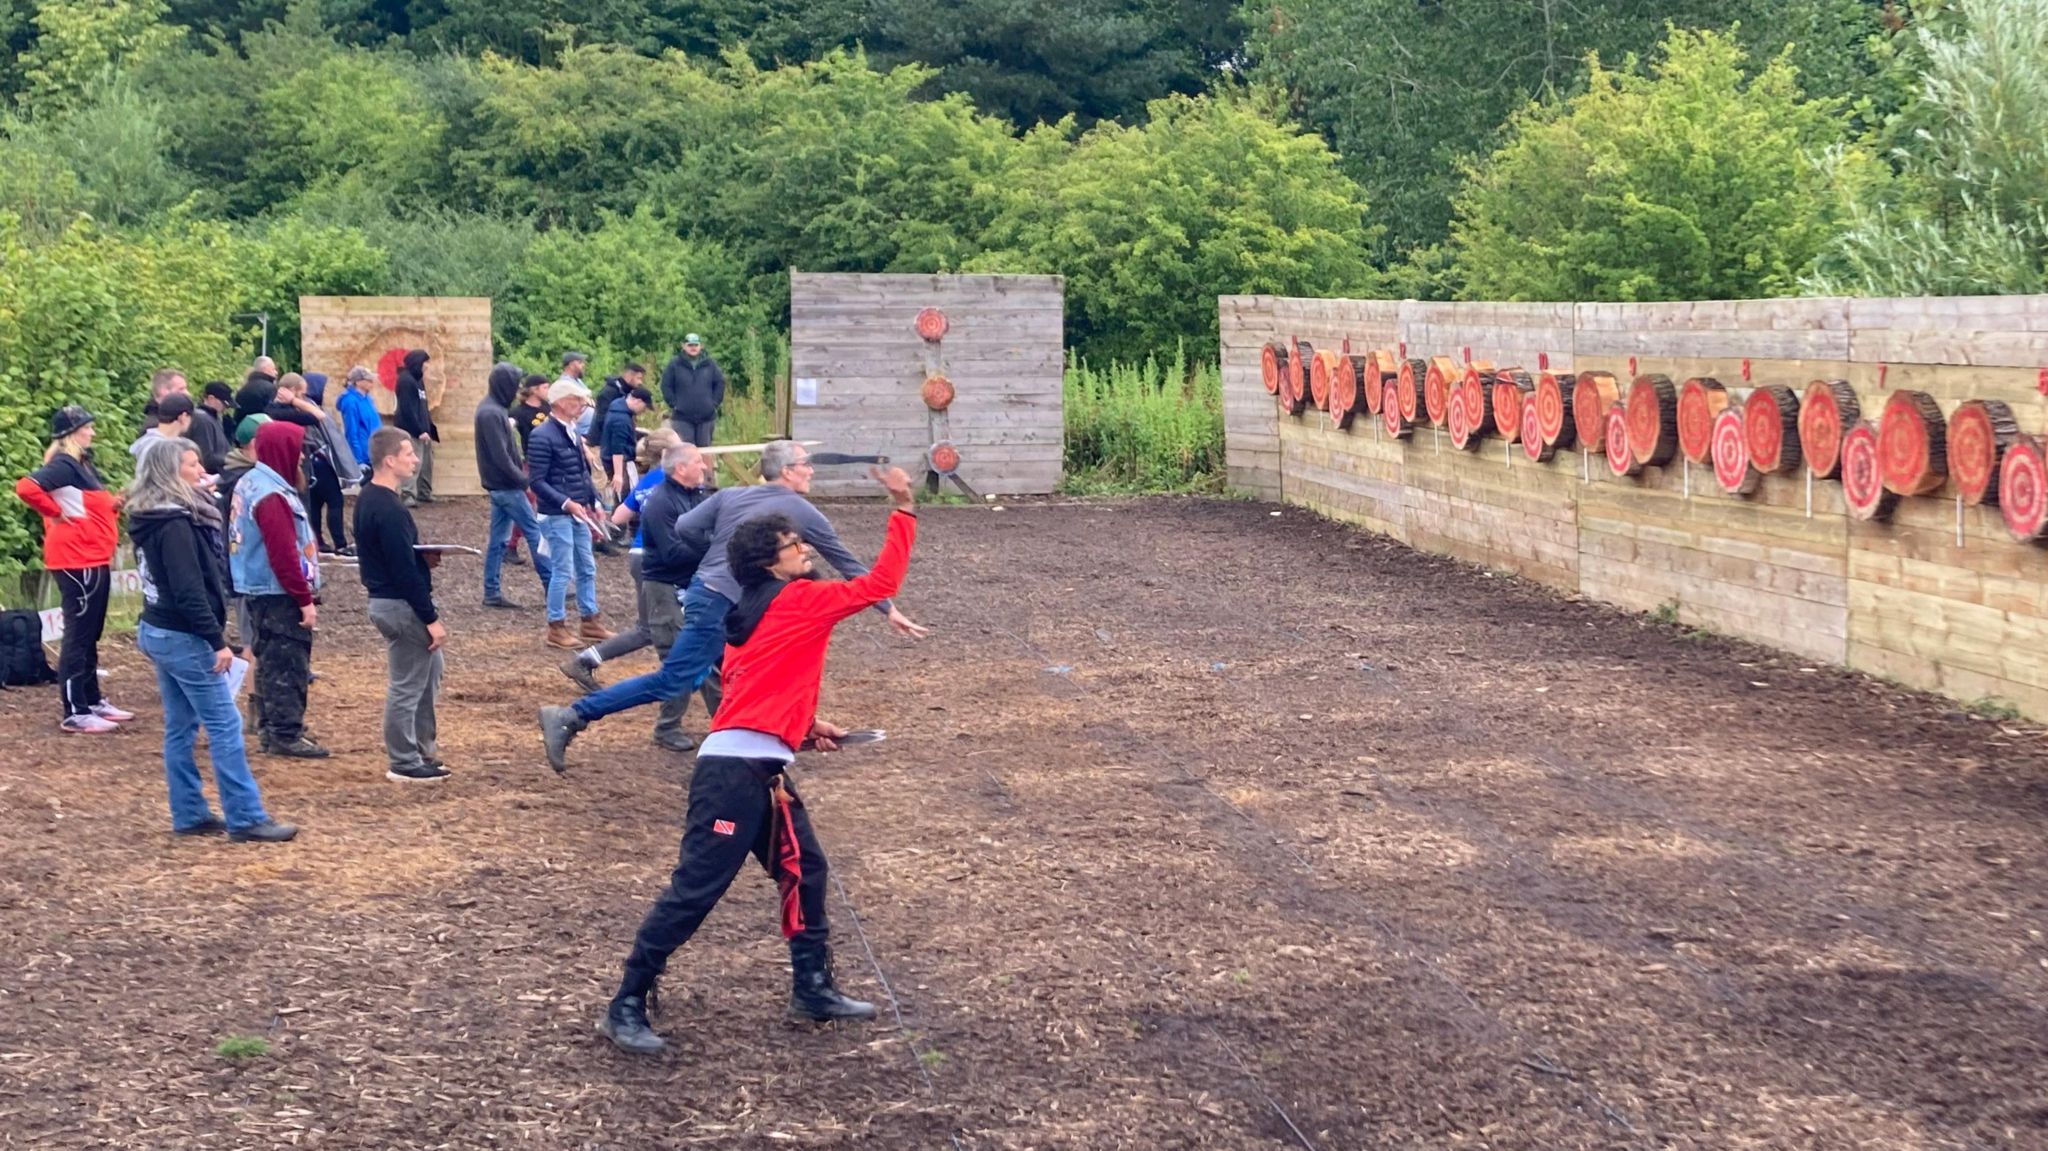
{"x":931,"y":325}
{"x":1730,"y":452}
{"x":1458,"y":420}
{"x":1437,"y":382}
{"x":1343,"y":400}
{"x":1511,"y":388}
{"x":1979,"y":433}
{"x":1826,"y":413}
{"x":1553,"y":404}
{"x":1701,"y":400}
{"x":944,"y":457}
{"x":1621,"y":459}
{"x":2023,"y":489}
{"x":1533,"y":444}
{"x":1304,"y":355}
{"x":1594,"y":393}
{"x":1409,"y":386}
{"x":1863,"y":474}
{"x":938,"y":393}
{"x":1381,"y":369}
{"x":1272,"y":366}
{"x":1770,"y":418}
{"x":1391,"y":419}
{"x":1365,"y":372}
{"x":1322,"y":371}
{"x":1652,"y":420}
{"x":1477,"y":384}
{"x":1912,"y":444}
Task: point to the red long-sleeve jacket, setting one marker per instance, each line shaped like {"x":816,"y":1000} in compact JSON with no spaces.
{"x":87,"y":539}
{"x":771,"y":681}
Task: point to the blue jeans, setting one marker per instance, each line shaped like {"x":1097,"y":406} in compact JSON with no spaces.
{"x":194,"y":695}
{"x":682,"y":670}
{"x":510,"y":510}
{"x":569,"y":560}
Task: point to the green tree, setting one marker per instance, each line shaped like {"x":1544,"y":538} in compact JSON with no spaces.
{"x":1036,"y":61}
{"x":1969,"y":213}
{"x":1406,"y":90}
{"x":629,"y":289}
{"x":1212,"y":195}
{"x":79,"y":42}
{"x":277,"y":263}
{"x":1690,"y":181}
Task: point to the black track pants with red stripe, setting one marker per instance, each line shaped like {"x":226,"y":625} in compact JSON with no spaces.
{"x":731,"y":803}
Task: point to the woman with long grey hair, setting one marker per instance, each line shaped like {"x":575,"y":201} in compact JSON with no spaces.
{"x":177,"y":532}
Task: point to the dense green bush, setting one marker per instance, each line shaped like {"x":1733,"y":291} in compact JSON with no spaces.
{"x":1141,"y":427}
{"x":1691,"y":180}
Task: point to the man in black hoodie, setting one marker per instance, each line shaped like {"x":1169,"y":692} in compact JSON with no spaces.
{"x":501,"y":465}
{"x":418,"y":422}
{"x":693,"y":387}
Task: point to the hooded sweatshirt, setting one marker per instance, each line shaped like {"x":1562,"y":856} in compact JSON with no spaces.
{"x":278,"y":447}
{"x":412,"y":396}
{"x":500,"y":460}
{"x":179,"y":561}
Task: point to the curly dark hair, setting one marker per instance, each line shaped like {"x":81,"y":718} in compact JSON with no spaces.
{"x":754,"y":546}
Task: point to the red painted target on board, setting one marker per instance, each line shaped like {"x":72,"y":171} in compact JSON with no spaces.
{"x":1729,"y":444}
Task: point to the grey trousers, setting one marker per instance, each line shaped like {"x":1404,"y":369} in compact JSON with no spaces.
{"x":409,"y":726}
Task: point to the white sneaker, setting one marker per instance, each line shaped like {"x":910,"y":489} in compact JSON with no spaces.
{"x":106,"y":710}
{"x":89,"y":724}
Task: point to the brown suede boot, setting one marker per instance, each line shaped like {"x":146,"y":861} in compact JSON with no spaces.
{"x":559,"y":635}
{"x":594,"y":629}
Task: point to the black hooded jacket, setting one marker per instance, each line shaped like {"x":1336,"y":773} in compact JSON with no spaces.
{"x":182,"y":565}
{"x":412,"y":396}
{"x":500,"y":461}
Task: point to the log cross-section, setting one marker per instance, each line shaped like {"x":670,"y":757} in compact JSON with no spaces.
{"x":1701,"y":400}
{"x":1730,"y":443}
{"x":2023,"y":489}
{"x":1554,"y":408}
{"x":1652,"y":414}
{"x":1621,"y":459}
{"x":1343,"y":389}
{"x":1979,"y":433}
{"x":1594,"y":394}
{"x":1511,"y":389}
{"x":1272,"y":366}
{"x":1863,"y":475}
{"x":1912,"y":444}
{"x":1770,"y":418}
{"x":1826,"y":414}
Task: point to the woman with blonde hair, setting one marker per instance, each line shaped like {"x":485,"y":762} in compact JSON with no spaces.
{"x":81,"y":525}
{"x":178,"y":552}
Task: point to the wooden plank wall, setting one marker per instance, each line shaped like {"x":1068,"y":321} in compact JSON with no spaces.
{"x":1003,"y":350}
{"x":339,"y":332}
{"x":1785,"y":566}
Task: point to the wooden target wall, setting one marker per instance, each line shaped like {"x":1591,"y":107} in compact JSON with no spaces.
{"x":858,"y":363}
{"x":1934,"y":590}
{"x":339,"y":332}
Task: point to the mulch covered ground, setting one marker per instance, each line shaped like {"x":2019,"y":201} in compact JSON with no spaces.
{"x":1197,"y":826}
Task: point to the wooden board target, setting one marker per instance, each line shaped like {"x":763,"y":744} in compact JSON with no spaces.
{"x":1863,"y":475}
{"x":1511,"y":389}
{"x":2023,"y":489}
{"x":1652,"y":413}
{"x":1770,"y":418}
{"x":1594,"y":393}
{"x":1912,"y":444}
{"x":1979,"y":433}
{"x":1729,"y":443}
{"x":1553,"y":405}
{"x":1272,"y":366}
{"x":1701,"y":400}
{"x":1826,"y":413}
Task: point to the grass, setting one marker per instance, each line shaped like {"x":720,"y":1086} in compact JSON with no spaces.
{"x":241,"y":1047}
{"x":1666,"y":613}
{"x":1144,"y":427}
{"x":932,"y":1060}
{"x":1993,"y":708}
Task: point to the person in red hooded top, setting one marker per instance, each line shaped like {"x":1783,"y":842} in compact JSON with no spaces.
{"x":741,"y":802}
{"x":275,"y":562}
{"x":81,"y":525}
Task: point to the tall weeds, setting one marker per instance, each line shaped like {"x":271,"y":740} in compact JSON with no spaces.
{"x":1141,"y":427}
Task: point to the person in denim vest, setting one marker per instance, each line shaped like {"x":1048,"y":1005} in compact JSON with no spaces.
{"x":276,"y":569}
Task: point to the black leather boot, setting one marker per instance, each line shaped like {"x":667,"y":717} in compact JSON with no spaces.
{"x":815,"y":998}
{"x":625,"y":1024}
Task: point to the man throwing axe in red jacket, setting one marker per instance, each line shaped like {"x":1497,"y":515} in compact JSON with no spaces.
{"x":741,"y":802}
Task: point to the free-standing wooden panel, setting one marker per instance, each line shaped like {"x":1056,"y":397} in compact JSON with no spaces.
{"x":856,"y":337}
{"x":337,"y":333}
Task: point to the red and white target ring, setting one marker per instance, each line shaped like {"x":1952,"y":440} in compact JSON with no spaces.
{"x":944,"y":457}
{"x":1620,"y":459}
{"x":1862,"y":470}
{"x":1533,"y":444}
{"x":931,"y":325}
{"x":2023,"y":489}
{"x":1730,"y":446}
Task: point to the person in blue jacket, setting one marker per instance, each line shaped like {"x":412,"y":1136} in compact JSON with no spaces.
{"x":621,"y":441}
{"x":359,"y":415}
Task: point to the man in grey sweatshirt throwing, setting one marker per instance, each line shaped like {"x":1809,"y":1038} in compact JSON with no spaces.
{"x":713,"y":591}
{"x":693,"y":387}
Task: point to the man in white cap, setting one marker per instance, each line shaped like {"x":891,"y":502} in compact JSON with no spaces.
{"x":693,"y":387}
{"x":560,"y":474}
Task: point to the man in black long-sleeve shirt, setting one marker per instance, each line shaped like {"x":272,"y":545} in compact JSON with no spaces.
{"x":400,"y":581}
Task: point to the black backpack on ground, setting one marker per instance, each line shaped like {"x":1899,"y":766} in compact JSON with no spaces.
{"x":22,"y":661}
